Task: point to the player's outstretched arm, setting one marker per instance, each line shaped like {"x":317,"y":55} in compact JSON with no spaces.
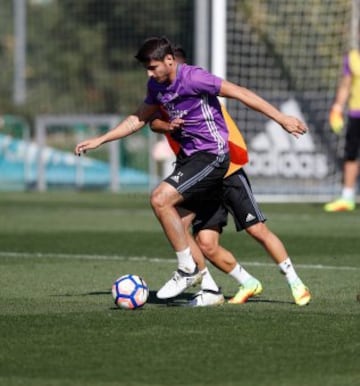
{"x":291,"y":124}
{"x":128,"y":126}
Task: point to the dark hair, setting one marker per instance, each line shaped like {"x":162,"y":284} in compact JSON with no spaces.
{"x":179,"y":52}
{"x":155,"y":48}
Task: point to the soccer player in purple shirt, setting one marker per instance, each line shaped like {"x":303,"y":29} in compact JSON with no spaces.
{"x":189,"y":96}
{"x":209,"y":218}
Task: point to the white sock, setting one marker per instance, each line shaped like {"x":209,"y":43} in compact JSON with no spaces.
{"x":208,"y":282}
{"x":348,"y":194}
{"x":288,"y":270}
{"x":185,"y":261}
{"x":240,"y":274}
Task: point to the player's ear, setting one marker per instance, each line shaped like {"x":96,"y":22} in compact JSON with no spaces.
{"x":169,"y":59}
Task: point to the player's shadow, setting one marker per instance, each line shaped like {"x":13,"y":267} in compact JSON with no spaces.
{"x":99,"y":293}
{"x":180,"y":300}
{"x":184,"y":299}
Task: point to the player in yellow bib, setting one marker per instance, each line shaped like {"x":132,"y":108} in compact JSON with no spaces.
{"x":211,"y":215}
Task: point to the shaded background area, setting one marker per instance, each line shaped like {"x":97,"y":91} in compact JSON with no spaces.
{"x":80,"y":60}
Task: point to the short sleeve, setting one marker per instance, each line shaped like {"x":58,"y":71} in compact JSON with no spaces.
{"x":202,"y":81}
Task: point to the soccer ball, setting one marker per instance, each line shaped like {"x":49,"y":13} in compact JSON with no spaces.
{"x":130,"y":292}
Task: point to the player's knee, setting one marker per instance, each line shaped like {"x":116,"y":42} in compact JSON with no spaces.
{"x":207,"y":245}
{"x":158,"y":199}
{"x":164,"y":196}
{"x":258,"y":231}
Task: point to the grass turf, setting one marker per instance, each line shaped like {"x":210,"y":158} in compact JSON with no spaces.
{"x":60,"y":254}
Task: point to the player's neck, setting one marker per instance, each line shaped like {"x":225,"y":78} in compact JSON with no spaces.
{"x":174,"y":72}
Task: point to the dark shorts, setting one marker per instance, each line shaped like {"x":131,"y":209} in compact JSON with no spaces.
{"x":237,"y":198}
{"x":198,"y":176}
{"x":352,"y":139}
{"x":210,"y":213}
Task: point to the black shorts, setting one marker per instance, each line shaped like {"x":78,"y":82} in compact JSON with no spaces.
{"x":239,"y":200}
{"x":210,"y":213}
{"x":352,"y":139}
{"x":199,"y":175}
{"x":236,"y":198}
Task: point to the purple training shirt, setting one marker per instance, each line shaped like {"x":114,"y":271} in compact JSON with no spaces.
{"x":193,"y":97}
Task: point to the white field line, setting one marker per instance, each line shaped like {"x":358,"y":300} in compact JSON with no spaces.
{"x":33,"y":255}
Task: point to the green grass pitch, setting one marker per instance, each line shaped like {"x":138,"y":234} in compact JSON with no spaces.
{"x":60,"y":253}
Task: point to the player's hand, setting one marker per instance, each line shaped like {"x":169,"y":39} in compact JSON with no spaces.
{"x":176,"y":124}
{"x":89,"y":144}
{"x":294,"y":126}
{"x":336,"y":119}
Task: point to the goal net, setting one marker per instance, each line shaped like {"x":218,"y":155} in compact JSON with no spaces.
{"x":290,"y":52}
